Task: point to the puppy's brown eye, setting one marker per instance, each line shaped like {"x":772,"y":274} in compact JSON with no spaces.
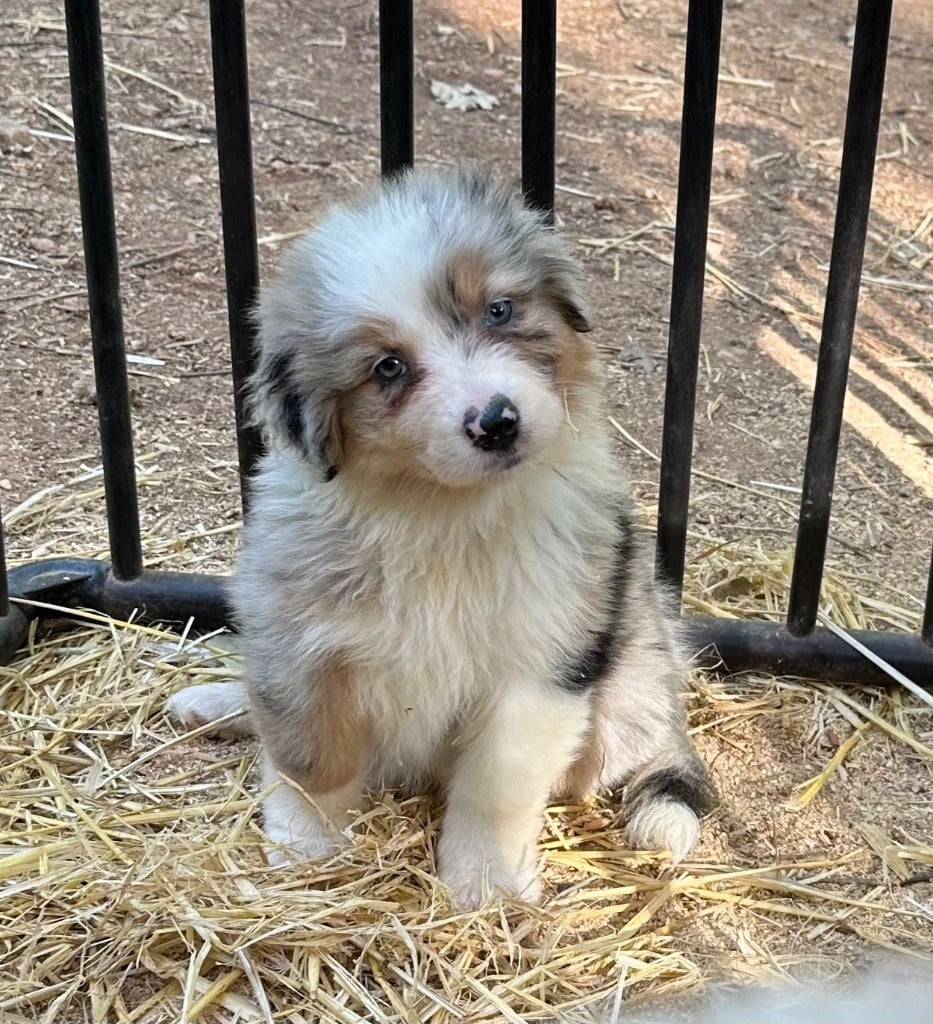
{"x":389,"y":369}
{"x":498,"y":312}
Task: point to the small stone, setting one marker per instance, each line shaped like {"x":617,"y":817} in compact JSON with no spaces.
{"x":14,"y":134}
{"x":86,"y":392}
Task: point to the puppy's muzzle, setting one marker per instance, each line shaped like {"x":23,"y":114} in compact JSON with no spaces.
{"x":496,"y":428}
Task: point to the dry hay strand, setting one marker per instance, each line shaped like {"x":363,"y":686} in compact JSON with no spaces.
{"x":743,"y":579}
{"x":68,"y":519}
{"x":134,"y":886}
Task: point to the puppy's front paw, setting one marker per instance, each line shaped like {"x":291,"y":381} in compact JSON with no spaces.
{"x":294,"y":848}
{"x":195,"y":706}
{"x":472,"y":889}
{"x":299,"y":829}
{"x":476,"y":876}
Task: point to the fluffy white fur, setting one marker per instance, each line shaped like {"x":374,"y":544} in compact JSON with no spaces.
{"x":418,"y":609}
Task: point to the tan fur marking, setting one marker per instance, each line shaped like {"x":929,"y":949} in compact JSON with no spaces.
{"x":378,"y":333}
{"x":461,"y":291}
{"x":582,"y":776}
{"x":577,"y":369}
{"x":545,"y":339}
{"x":361,"y":414}
{"x":317,"y":741}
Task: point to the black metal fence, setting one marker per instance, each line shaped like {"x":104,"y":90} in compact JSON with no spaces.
{"x":122,"y":585}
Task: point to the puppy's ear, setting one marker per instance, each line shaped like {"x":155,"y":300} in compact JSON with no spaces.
{"x":562,"y":283}
{"x":293,"y":411}
{"x":559,"y":274}
{"x":570,"y":309}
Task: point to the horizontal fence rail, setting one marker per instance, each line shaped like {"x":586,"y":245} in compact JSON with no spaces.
{"x":13,"y":623}
{"x":122,"y":588}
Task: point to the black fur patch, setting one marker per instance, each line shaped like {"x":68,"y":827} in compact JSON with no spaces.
{"x":276,"y":378}
{"x":688,"y":784}
{"x":574,"y":316}
{"x":279,"y":373}
{"x":593,"y":662}
{"x":293,"y":419}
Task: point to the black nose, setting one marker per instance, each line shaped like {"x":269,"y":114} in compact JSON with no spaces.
{"x":496,"y":427}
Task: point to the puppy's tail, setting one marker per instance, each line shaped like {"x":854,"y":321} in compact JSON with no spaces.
{"x":664,"y":802}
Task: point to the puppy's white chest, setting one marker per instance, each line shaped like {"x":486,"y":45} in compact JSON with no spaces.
{"x":458,"y":619}
{"x":454,"y":632}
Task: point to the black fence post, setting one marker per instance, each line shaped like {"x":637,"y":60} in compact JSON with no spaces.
{"x":866,"y":88}
{"x":701,"y":80}
{"x":539,"y":93}
{"x":89,"y":108}
{"x":238,"y":214}
{"x":397,"y":84}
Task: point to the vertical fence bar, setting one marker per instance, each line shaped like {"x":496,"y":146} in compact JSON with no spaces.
{"x":539,"y":93}
{"x":701,"y":78}
{"x":866,"y":87}
{"x":238,"y":213}
{"x":926,"y":630}
{"x":89,"y":108}
{"x":397,"y":84}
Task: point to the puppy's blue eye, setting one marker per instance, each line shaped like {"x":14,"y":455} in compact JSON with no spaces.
{"x":390,"y":368}
{"x":498,"y":312}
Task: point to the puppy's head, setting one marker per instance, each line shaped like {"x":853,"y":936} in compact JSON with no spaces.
{"x":433,"y":329}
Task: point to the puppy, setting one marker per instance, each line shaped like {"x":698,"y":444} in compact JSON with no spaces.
{"x":441,"y":582}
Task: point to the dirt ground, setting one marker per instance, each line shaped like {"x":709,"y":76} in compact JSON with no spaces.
{"x":314,"y":81}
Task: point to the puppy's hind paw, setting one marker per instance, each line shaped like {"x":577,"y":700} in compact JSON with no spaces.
{"x":196,"y":706}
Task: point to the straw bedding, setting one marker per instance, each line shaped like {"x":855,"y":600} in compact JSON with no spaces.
{"x":133,"y":885}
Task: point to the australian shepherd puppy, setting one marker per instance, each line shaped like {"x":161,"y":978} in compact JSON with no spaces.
{"x":441,"y":582}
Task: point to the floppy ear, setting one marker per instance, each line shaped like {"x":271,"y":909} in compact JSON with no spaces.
{"x":569,"y":308}
{"x":293,"y":412}
{"x":561,"y":279}
{"x":563,"y":286}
